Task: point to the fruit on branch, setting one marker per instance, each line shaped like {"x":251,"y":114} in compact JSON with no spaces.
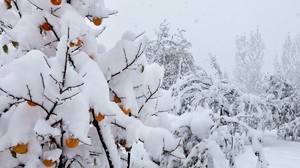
{"x":8,"y":4}
{"x":20,"y":148}
{"x":48,"y":163}
{"x":99,"y":117}
{"x":117,"y":99}
{"x":71,"y":44}
{"x":125,"y":111}
{"x":5,"y":48}
{"x":77,"y":43}
{"x":97,"y":21}
{"x":56,"y":2}
{"x":30,"y":103}
{"x":72,"y":142}
{"x":46,"y":26}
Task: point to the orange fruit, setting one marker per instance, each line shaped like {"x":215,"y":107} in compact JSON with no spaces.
{"x":20,"y":148}
{"x":72,"y":142}
{"x":56,"y":2}
{"x":97,"y":21}
{"x":125,"y":111}
{"x":46,"y":26}
{"x":99,"y":117}
{"x":79,"y":43}
{"x":8,"y":3}
{"x":48,"y":163}
{"x":72,"y":44}
{"x":30,"y":103}
{"x":117,"y":99}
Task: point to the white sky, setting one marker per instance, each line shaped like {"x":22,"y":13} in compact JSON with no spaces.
{"x":211,"y":25}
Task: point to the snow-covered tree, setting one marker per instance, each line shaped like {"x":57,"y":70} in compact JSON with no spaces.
{"x":65,"y":102}
{"x":288,"y":64}
{"x":172,"y":52}
{"x":224,"y":114}
{"x":286,"y":107}
{"x":249,"y":61}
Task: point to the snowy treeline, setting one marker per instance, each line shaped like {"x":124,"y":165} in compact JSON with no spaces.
{"x":66,"y":101}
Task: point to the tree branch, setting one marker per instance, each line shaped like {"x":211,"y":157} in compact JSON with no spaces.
{"x":96,"y":125}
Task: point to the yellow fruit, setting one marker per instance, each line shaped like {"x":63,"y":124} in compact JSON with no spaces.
{"x":30,"y":103}
{"x":56,"y":2}
{"x":20,"y":148}
{"x":48,"y":163}
{"x":72,"y":142}
{"x":99,"y":117}
{"x":97,"y":21}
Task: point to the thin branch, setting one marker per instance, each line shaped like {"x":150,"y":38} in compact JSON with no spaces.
{"x":17,"y":7}
{"x":52,"y":110}
{"x":47,"y":62}
{"x":55,"y":80}
{"x":150,"y":96}
{"x":128,"y":159}
{"x":139,"y":53}
{"x":35,"y":5}
{"x":114,"y":123}
{"x":29,"y":93}
{"x":66,"y":62}
{"x":71,"y":87}
{"x":126,"y":59}
{"x":96,"y":125}
{"x":70,"y":97}
{"x":43,"y":82}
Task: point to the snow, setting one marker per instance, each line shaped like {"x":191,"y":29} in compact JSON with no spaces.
{"x":279,"y":153}
{"x":52,"y":90}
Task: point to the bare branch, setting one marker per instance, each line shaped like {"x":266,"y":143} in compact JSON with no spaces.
{"x":69,"y":97}
{"x":29,"y":93}
{"x":71,"y":87}
{"x":150,"y":96}
{"x":17,"y":7}
{"x":138,"y":54}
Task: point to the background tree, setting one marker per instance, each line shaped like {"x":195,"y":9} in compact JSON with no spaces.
{"x":171,"y":52}
{"x":249,"y":61}
{"x":289,"y":62}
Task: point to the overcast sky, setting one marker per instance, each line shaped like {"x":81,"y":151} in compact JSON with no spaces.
{"x":211,"y":25}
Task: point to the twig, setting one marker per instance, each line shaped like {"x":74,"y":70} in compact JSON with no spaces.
{"x":139,"y":53}
{"x":70,"y":97}
{"x":15,"y":3}
{"x":96,"y":125}
{"x":150,"y":96}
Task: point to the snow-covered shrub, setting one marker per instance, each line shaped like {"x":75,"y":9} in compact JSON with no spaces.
{"x":200,"y":90}
{"x":290,"y":131}
{"x":220,"y":131}
{"x":286,"y":110}
{"x":65,"y":102}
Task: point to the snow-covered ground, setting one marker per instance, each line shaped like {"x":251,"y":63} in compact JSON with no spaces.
{"x":279,"y":153}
